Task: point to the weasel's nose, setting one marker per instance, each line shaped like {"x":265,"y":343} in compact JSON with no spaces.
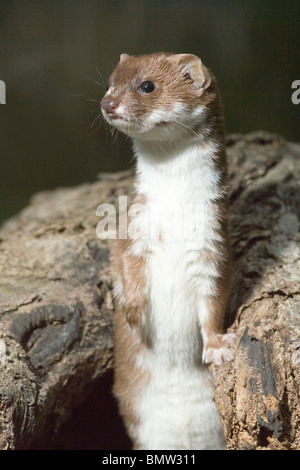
{"x":109,"y":105}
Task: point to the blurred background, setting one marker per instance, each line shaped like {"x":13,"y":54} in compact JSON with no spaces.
{"x":52,"y":53}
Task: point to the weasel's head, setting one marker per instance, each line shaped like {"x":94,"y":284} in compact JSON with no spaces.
{"x":159,"y":96}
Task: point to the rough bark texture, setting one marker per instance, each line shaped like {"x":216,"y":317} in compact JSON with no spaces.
{"x":258,"y":393}
{"x":56,"y":308}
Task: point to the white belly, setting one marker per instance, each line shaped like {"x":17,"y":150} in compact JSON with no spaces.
{"x":176,"y":409}
{"x":173,"y":303}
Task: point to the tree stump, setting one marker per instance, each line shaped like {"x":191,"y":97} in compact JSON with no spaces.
{"x":56,"y":306}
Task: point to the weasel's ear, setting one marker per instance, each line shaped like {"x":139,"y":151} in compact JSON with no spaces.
{"x":193,"y":68}
{"x":123,"y":57}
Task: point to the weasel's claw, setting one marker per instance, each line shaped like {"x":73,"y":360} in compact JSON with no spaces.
{"x":220,"y":354}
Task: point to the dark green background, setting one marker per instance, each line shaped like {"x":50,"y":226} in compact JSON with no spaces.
{"x":47,"y":48}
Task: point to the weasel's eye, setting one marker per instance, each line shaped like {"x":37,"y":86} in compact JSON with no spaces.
{"x":147,"y":87}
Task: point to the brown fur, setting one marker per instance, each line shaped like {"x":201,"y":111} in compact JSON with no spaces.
{"x":131,"y":270}
{"x":172,"y":75}
{"x":129,"y":379}
{"x":217,"y":304}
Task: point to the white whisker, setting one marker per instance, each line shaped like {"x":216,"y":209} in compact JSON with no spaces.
{"x":96,"y":118}
{"x":95,"y":81}
{"x":101,"y":76}
{"x":87,"y":98}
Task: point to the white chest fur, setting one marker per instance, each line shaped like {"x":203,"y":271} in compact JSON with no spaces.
{"x":176,"y":226}
{"x":180,"y":191}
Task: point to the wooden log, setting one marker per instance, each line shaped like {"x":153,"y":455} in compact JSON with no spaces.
{"x":258,"y":393}
{"x":56,"y":306}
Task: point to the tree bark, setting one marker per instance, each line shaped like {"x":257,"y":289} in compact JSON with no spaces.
{"x":258,"y":393}
{"x":56,"y":307}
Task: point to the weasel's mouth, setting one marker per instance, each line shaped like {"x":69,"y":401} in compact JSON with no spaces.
{"x":113,"y":117}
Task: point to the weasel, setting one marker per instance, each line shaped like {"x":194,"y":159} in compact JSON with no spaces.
{"x":172,"y":273}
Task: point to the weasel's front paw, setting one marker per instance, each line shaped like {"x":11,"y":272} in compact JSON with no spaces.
{"x":216,"y":355}
{"x":220,"y":352}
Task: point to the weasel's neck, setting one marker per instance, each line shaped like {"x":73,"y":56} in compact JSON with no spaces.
{"x":178,"y":173}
